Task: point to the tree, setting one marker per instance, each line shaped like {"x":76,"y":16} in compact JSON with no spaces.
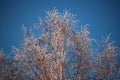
{"x":106,"y":64}
{"x":60,"y":53}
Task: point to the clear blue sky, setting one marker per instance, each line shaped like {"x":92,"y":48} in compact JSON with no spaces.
{"x":102,"y":15}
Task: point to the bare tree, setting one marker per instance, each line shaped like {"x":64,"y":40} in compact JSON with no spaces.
{"x":106,"y":65}
{"x":57,"y":52}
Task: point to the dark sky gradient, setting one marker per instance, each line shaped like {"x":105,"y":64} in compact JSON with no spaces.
{"x":102,"y":15}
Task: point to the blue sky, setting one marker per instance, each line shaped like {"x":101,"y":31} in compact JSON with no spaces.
{"x":102,"y":15}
